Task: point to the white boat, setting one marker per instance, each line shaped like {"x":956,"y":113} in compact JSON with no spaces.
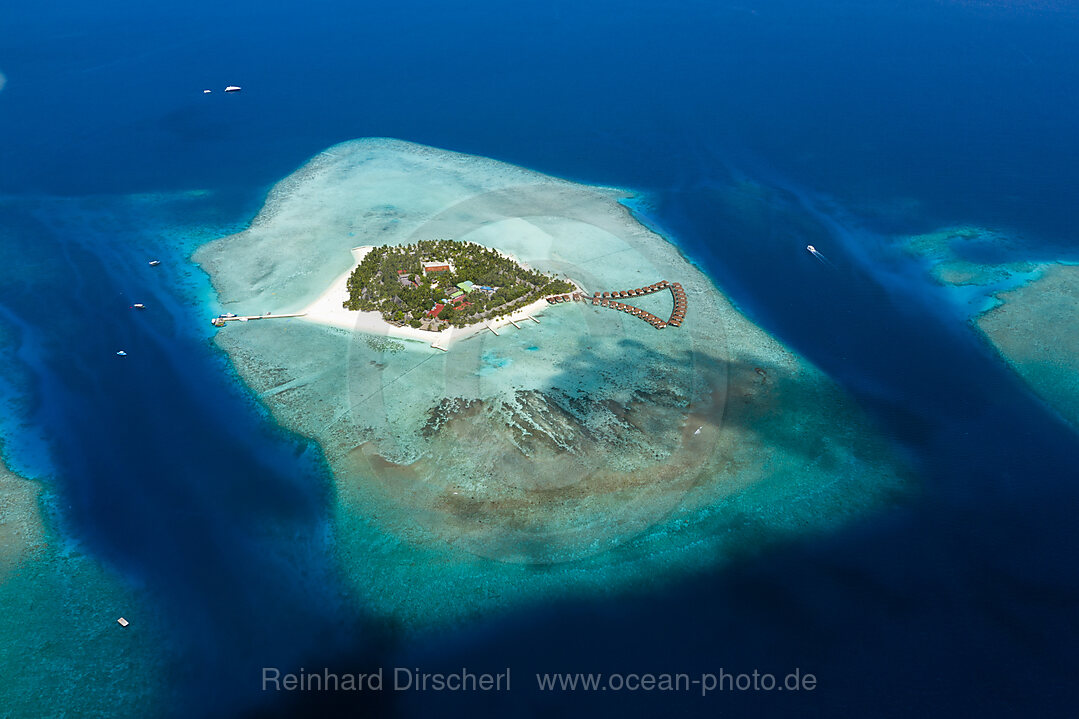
{"x":206,"y":92}
{"x":139,"y":306}
{"x":229,"y":314}
{"x":812,"y":249}
{"x":155,"y":263}
{"x":233,"y":88}
{"x":122,"y":353}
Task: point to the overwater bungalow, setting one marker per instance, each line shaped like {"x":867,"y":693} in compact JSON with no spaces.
{"x":610,"y":299}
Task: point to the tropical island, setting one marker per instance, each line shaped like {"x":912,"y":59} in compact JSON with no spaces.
{"x":436,"y":284}
{"x":578,"y":434}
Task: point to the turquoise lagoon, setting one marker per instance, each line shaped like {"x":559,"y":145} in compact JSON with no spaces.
{"x":587,"y":453}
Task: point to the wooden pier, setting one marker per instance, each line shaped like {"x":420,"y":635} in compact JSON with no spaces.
{"x":220,"y":321}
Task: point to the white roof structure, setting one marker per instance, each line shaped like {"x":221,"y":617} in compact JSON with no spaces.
{"x":429,"y":265}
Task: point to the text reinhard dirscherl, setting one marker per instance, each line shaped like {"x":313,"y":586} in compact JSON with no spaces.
{"x":402,"y":679}
{"x":409,"y":679}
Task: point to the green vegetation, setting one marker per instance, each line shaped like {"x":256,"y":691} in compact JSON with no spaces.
{"x":391,"y":280}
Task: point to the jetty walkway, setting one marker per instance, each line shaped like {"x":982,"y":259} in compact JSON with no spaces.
{"x":610,"y":299}
{"x":222,"y":319}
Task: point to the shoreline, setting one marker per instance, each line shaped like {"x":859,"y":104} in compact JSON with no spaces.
{"x":328,"y":310}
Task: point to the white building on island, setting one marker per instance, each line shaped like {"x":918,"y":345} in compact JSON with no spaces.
{"x":430,"y":267}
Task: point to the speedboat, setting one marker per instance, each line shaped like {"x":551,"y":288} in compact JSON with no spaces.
{"x":139,"y":306}
{"x":155,"y":263}
{"x":233,"y":88}
{"x":812,"y":249}
{"x":206,"y":92}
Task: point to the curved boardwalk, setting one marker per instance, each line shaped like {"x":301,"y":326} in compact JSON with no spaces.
{"x":610,"y":299}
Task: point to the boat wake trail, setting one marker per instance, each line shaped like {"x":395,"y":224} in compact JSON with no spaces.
{"x":820,"y":258}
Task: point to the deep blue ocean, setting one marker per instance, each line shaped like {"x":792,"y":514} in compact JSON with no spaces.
{"x":860,"y":120}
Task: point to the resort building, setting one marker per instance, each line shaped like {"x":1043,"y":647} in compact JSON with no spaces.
{"x":429,"y":267}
